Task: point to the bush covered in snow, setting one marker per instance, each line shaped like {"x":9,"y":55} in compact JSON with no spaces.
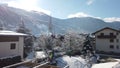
{"x":68,"y":41}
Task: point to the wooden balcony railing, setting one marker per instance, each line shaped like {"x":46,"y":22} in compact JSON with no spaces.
{"x":106,"y":36}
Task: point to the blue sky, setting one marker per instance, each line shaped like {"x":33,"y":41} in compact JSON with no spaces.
{"x":100,"y":8}
{"x":103,"y":9}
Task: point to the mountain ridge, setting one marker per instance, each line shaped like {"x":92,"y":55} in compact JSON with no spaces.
{"x":38,"y":22}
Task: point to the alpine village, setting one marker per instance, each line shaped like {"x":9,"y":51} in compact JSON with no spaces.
{"x":31,"y":39}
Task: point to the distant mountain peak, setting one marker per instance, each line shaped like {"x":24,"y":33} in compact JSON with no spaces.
{"x":38,"y":12}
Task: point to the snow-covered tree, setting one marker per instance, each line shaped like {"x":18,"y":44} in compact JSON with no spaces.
{"x":28,"y":40}
{"x":46,"y":41}
{"x":71,"y":41}
{"x":74,"y":40}
{"x":42,"y":41}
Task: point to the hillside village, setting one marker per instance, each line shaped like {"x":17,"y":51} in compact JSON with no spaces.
{"x":71,"y":50}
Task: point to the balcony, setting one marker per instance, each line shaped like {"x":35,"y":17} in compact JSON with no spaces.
{"x":106,"y":36}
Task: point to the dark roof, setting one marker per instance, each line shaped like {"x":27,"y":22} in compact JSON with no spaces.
{"x":106,"y":28}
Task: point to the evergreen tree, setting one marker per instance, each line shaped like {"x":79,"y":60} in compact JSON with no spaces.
{"x":87,"y":48}
{"x":22,"y":29}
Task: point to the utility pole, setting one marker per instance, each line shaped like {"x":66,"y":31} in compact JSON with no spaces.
{"x":51,"y":29}
{"x":50,"y":25}
{"x":70,"y":45}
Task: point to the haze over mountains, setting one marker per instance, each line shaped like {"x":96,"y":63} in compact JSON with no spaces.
{"x":38,"y":22}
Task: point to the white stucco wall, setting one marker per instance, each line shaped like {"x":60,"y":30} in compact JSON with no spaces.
{"x":21,"y":44}
{"x":5,"y":50}
{"x":104,"y":44}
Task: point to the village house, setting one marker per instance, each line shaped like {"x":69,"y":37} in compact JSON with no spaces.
{"x":11,"y":43}
{"x":107,"y":40}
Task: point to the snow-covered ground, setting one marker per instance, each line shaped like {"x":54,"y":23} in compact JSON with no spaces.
{"x":105,"y":65}
{"x":108,"y":64}
{"x":78,"y":62}
{"x":72,"y":62}
{"x":30,"y":56}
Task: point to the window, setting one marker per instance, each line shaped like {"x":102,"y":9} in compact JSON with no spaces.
{"x":117,"y":33}
{"x":12,"y":46}
{"x":111,"y":34}
{"x":111,"y":47}
{"x":111,"y":40}
{"x":117,"y":40}
{"x":102,"y":34}
{"x":117,"y":47}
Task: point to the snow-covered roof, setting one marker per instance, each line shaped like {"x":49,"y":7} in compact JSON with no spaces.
{"x":10,"y":33}
{"x":40,"y":54}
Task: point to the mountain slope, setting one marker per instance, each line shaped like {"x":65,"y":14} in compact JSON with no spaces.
{"x":11,"y":18}
{"x":38,"y":22}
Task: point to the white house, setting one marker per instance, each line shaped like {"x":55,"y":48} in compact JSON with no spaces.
{"x":107,"y":40}
{"x":11,"y":43}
